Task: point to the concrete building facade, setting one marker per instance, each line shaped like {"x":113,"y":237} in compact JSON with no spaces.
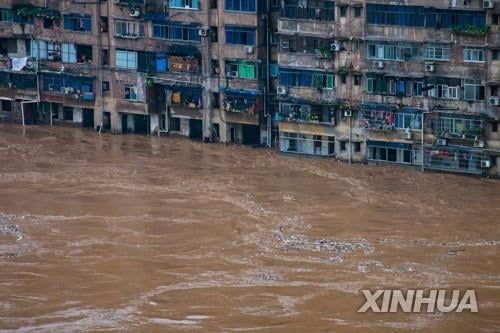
{"x":366,"y":81}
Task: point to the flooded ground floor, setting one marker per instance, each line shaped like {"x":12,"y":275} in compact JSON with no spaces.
{"x":136,"y":233}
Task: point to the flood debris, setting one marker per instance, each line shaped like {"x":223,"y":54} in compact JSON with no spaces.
{"x":13,"y":230}
{"x":300,"y":242}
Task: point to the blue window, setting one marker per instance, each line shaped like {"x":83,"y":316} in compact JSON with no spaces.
{"x":240,"y":35}
{"x":184,"y":4}
{"x":57,"y":82}
{"x":77,"y":22}
{"x":161,"y":62}
{"x":418,"y":16}
{"x":241,"y":5}
{"x":297,"y":78}
{"x":176,"y":32}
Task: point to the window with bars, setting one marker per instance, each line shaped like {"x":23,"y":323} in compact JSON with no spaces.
{"x":126,"y":59}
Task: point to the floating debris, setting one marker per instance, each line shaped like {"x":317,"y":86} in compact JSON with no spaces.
{"x":301,"y":242}
{"x":13,"y":230}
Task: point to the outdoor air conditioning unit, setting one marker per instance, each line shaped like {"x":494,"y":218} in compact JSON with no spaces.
{"x":407,"y":134}
{"x":335,"y":47}
{"x":281,"y":90}
{"x":249,"y":49}
{"x":478,"y":144}
{"x":494,"y":100}
{"x":441,"y":142}
{"x":488,"y":4}
{"x":347,"y":113}
{"x":485,"y":164}
{"x":430,"y":67}
{"x":203,"y":32}
{"x":134,"y":12}
{"x":379,"y":64}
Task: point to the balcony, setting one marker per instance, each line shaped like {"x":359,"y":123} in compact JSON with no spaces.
{"x":312,"y":28}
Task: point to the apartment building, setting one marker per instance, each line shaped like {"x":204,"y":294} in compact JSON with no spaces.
{"x":367,"y":81}
{"x":189,"y":67}
{"x":391,"y":82}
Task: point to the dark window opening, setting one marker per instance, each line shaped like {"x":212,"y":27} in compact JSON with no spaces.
{"x":6,"y":106}
{"x":175,"y":124}
{"x":343,"y":145}
{"x":48,"y":23}
{"x":105,"y":86}
{"x":494,"y":127}
{"x":68,"y":114}
{"x":357,"y":80}
{"x":343,"y":11}
{"x":104,"y":24}
{"x":357,"y":11}
{"x":357,"y":147}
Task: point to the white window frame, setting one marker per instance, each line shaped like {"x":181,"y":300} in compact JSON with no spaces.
{"x":474,"y":54}
{"x":133,"y":92}
{"x":126,"y":59}
{"x":430,"y":52}
{"x":129,"y":29}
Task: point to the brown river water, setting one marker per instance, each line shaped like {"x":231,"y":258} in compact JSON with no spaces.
{"x":146,"y":234}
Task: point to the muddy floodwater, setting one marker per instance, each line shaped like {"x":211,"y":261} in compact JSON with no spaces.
{"x":143,"y":234}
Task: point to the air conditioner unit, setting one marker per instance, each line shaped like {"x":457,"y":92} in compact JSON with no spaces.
{"x":379,"y":64}
{"x":335,"y":47}
{"x":485,"y":164}
{"x":494,"y":100}
{"x":134,"y":12}
{"x":441,"y":142}
{"x":285,"y":45}
{"x":430,"y":67}
{"x":407,"y":134}
{"x":347,"y":113}
{"x":227,"y":106}
{"x":479,"y":144}
{"x":488,"y":4}
{"x":203,"y":32}
{"x":248,"y":49}
{"x":281,"y":90}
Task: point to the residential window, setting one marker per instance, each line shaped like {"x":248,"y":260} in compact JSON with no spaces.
{"x":409,"y":119}
{"x":495,"y":19}
{"x":343,"y":79}
{"x":126,"y":59}
{"x":240,"y":35}
{"x":130,"y":93}
{"x":78,"y":22}
{"x":357,"y":80}
{"x":48,"y":23}
{"x":357,"y":44}
{"x":357,"y":11}
{"x":396,"y":51}
{"x":310,"y":10}
{"x":377,"y":85}
{"x":104,"y":24}
{"x":495,"y":55}
{"x":105,"y":86}
{"x":241,"y":5}
{"x":473,"y":54}
{"x":69,"y":52}
{"x":420,"y":16}
{"x":494,"y":127}
{"x":6,"y":15}
{"x":343,"y":145}
{"x":129,"y":29}
{"x":473,"y":90}
{"x":444,"y":91}
{"x":242,"y":70}
{"x":357,"y":146}
{"x":343,"y":11}
{"x":176,"y":32}
{"x":437,"y":52}
{"x":184,"y":4}
{"x":56,"y":82}
{"x":67,"y":113}
{"x":175,"y":124}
